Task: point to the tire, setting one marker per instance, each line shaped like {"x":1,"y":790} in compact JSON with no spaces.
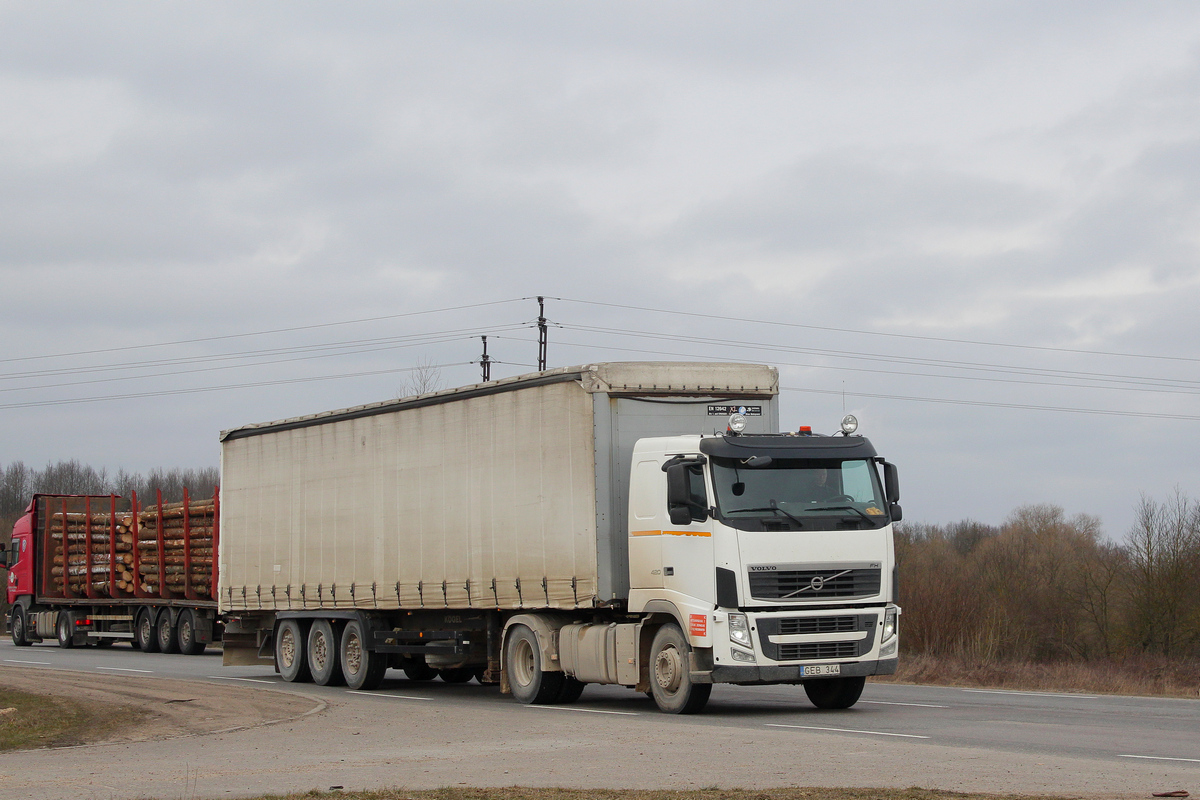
{"x":670,"y":679}
{"x":290,"y":656}
{"x":419,"y":671}
{"x":104,"y":642}
{"x":20,"y":629}
{"x":457,"y":674}
{"x":571,"y":689}
{"x":185,"y":634}
{"x":324,"y":656}
{"x":834,"y":692}
{"x":145,"y":636}
{"x":64,"y":628}
{"x":164,"y":633}
{"x":523,"y":661}
{"x":363,"y":668}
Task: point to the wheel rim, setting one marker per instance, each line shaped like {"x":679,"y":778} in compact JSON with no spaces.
{"x":320,"y":649}
{"x":18,"y":626}
{"x":185,"y":633}
{"x":353,"y":654}
{"x":668,"y":670}
{"x":145,"y":629}
{"x":287,"y":647}
{"x":524,"y":663}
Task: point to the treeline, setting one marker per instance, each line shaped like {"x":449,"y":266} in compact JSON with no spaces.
{"x":18,"y":483}
{"x":1046,"y":587}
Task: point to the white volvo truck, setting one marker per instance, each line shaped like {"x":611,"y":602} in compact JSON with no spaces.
{"x":641,"y":524}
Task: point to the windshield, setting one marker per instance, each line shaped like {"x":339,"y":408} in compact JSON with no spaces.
{"x":799,"y":494}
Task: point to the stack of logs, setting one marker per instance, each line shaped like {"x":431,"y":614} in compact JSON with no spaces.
{"x":74,"y":560}
{"x":196,"y":529}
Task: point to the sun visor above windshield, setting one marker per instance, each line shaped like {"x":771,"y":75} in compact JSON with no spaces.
{"x":775,"y":446}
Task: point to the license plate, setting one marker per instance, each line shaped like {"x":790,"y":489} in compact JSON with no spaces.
{"x":821,"y":669}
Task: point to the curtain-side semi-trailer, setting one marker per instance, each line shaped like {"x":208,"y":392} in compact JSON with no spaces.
{"x":598,"y":524}
{"x":99,"y":569}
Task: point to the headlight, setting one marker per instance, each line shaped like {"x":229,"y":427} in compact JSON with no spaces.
{"x":889,"y":624}
{"x":739,"y":630}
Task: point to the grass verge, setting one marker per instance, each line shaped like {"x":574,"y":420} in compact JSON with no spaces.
{"x":1147,"y":677}
{"x":517,"y":793}
{"x":33,"y":720}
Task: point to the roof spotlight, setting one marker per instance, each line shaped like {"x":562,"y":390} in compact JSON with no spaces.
{"x":737,"y":424}
{"x":849,"y":424}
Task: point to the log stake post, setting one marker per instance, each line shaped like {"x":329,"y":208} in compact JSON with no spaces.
{"x":163,"y":592}
{"x":66,"y":587}
{"x":138,"y":591}
{"x":187,"y":550}
{"x":112,"y":545}
{"x":216,"y":537}
{"x":87,"y":535}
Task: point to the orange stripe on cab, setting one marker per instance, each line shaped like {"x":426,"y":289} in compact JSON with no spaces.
{"x":705,"y":534}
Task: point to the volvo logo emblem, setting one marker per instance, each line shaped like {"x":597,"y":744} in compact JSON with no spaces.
{"x":817,"y":583}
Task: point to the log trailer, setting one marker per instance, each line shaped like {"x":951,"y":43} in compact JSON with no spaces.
{"x":638,"y":524}
{"x":102,"y":569}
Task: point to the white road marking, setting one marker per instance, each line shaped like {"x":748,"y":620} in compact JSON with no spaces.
{"x":911,"y":705}
{"x":125,"y":669}
{"x":393,"y":696}
{"x":1163,"y":758}
{"x":227,"y":678}
{"x":15,"y":661}
{"x":846,"y":730}
{"x":1034,"y":694}
{"x":585,"y":710}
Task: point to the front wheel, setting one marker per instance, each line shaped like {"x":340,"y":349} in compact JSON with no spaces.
{"x":670,"y":673}
{"x":523,"y":658}
{"x":20,"y":633}
{"x":834,"y":692}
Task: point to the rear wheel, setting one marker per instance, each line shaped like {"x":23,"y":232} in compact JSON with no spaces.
{"x":457,"y":674}
{"x":419,"y":671}
{"x":834,"y":692}
{"x":164,"y":633}
{"x":104,"y":641}
{"x":289,"y":652}
{"x":20,"y":633}
{"x":523,"y":658}
{"x":363,"y":668}
{"x":65,"y":628}
{"x":143,"y":632}
{"x":670,"y":677}
{"x":571,"y":689}
{"x":185,"y":634}
{"x":323,"y":658}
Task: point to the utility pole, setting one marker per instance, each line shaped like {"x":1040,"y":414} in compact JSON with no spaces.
{"x":541,"y":334}
{"x":486,"y":362}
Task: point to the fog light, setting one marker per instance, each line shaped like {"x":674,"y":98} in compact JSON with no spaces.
{"x":742,"y":655}
{"x":888,"y":649}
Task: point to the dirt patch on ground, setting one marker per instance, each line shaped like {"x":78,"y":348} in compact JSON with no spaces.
{"x":115,"y":709}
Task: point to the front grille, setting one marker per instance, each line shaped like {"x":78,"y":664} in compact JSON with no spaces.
{"x":812,"y":584}
{"x":818,"y":624}
{"x":818,"y":650}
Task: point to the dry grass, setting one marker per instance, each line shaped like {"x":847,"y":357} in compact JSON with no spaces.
{"x":33,"y":720}
{"x":1135,"y":676}
{"x":516,"y":793}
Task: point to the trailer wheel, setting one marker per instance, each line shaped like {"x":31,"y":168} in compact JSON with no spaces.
{"x":363,"y":668}
{"x":164,"y":633}
{"x":289,"y":652}
{"x":144,"y":634}
{"x":670,"y":679}
{"x":20,"y":634}
{"x":523,"y":658}
{"x":457,"y":674}
{"x":324,"y":660}
{"x":65,"y":628}
{"x":834,"y":692}
{"x":185,"y":634}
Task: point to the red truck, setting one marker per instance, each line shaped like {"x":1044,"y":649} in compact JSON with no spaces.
{"x":88,"y":569}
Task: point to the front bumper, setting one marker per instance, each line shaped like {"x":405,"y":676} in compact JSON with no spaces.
{"x":751,"y":675}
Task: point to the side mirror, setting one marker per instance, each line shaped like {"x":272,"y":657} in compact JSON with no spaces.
{"x":891,"y":482}
{"x":680,"y":504}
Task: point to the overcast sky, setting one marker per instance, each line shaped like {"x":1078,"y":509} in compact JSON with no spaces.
{"x":974,"y":225}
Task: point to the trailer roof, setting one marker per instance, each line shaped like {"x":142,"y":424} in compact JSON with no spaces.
{"x":633,"y":378}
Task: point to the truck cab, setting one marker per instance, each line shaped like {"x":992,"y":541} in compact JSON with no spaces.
{"x":777,"y":552}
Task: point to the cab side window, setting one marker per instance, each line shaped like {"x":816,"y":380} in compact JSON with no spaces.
{"x":697,"y":493}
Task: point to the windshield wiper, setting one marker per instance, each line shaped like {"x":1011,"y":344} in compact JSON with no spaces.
{"x":773,"y":507}
{"x":840,"y":508}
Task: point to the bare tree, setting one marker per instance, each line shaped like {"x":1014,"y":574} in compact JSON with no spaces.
{"x":424,"y":378}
